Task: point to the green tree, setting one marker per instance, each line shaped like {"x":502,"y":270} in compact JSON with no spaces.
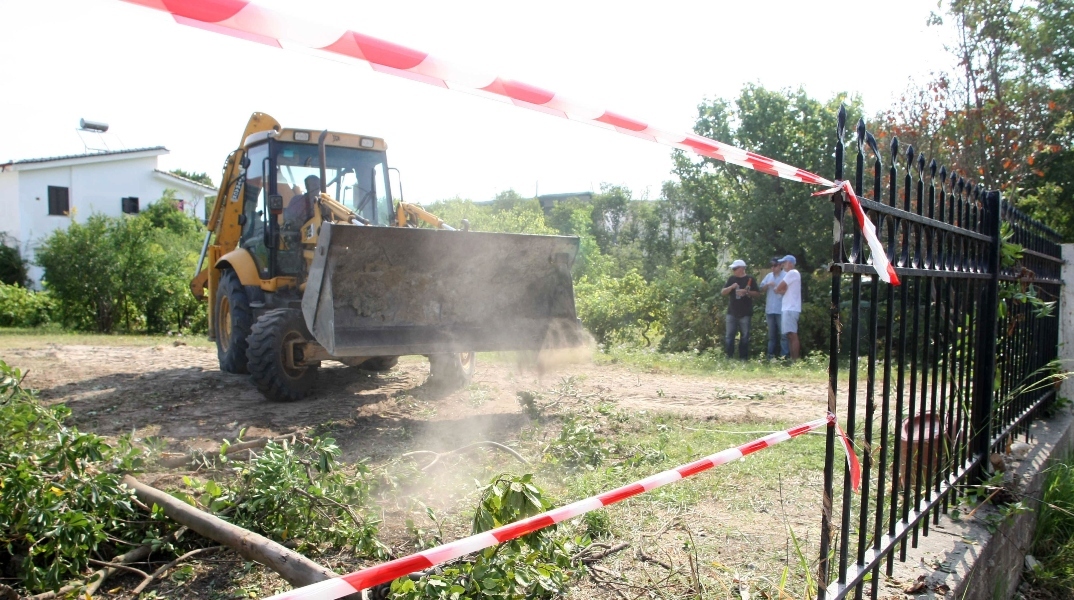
{"x":202,"y":178}
{"x":165,"y":214}
{"x":739,"y":213}
{"x":14,"y":270}
{"x":1002,"y":116}
{"x":129,"y":271}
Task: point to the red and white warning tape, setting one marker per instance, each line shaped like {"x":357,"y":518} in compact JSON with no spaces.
{"x":389,"y":571}
{"x":249,"y":21}
{"x":879,"y":257}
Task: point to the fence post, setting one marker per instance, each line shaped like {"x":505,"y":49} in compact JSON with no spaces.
{"x":824,"y":565}
{"x":984,"y":372}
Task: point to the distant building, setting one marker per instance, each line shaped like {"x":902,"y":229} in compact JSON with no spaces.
{"x":40,"y":195}
{"x":549,"y":200}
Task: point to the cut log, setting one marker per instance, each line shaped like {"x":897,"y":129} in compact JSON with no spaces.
{"x":292,"y":566}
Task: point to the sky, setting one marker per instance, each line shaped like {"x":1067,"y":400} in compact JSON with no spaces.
{"x":158,"y":83}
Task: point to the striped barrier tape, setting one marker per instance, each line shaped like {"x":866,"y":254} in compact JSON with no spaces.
{"x":249,"y":21}
{"x":383,"y":573}
{"x":880,"y":258}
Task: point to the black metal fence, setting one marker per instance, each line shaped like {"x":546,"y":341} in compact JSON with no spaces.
{"x":956,"y":359}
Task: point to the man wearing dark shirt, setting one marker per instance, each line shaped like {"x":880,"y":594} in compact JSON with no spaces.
{"x":742,"y":289}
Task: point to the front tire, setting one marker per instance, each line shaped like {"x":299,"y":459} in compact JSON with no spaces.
{"x":269,"y":340}
{"x":451,"y":371}
{"x":233,"y":322}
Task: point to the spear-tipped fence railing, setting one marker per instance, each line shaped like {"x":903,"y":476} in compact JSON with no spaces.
{"x":958,"y":358}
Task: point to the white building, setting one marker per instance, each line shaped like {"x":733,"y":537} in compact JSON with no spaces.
{"x":40,"y":195}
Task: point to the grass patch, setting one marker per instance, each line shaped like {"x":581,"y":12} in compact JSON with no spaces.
{"x":727,"y":527}
{"x":1053,"y":544}
{"x":813,"y":367}
{"x":40,"y":337}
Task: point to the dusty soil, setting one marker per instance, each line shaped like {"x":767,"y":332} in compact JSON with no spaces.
{"x":179,"y":394}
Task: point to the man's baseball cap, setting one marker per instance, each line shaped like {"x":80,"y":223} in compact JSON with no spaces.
{"x":789,"y":257}
{"x":738,"y":263}
{"x":775,"y":260}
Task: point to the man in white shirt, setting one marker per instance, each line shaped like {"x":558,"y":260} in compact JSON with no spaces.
{"x":791,"y":290}
{"x":773,"y":311}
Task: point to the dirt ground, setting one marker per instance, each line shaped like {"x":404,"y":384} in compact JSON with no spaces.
{"x":176,"y":392}
{"x":179,"y":394}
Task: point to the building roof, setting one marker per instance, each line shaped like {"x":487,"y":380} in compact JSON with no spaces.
{"x":83,"y":158}
{"x":185,"y":180}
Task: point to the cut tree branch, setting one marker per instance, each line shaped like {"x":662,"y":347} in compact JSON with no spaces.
{"x":292,"y":566}
{"x":149,"y":578}
{"x":193,"y":457}
{"x":96,"y":579}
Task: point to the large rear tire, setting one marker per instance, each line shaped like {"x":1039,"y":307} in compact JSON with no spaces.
{"x":451,"y":371}
{"x":273,"y":332}
{"x":233,"y":322}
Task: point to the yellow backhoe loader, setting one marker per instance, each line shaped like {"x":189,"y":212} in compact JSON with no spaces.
{"x":309,"y":258}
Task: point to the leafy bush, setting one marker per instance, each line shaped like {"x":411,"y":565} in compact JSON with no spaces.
{"x":694,"y":318}
{"x":299,"y":491}
{"x":130,"y":271}
{"x":13,"y":267}
{"x":537,"y":565}
{"x":61,"y":501}
{"x":620,"y":310}
{"x":20,"y":307}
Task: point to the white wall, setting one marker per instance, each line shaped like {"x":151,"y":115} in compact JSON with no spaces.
{"x":9,"y":204}
{"x":93,"y":188}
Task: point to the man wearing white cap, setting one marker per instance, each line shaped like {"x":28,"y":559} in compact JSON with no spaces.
{"x":791,"y":290}
{"x":742,"y":289}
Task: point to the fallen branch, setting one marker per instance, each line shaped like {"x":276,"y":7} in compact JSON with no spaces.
{"x":93,"y":583}
{"x":149,"y":578}
{"x":196,"y":456}
{"x":590,"y":555}
{"x":656,"y":561}
{"x":292,"y":566}
{"x":438,"y":455}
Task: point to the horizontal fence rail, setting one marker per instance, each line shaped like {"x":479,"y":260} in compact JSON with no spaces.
{"x":957,"y":359}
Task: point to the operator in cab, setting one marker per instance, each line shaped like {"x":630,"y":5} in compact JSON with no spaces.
{"x":300,"y":208}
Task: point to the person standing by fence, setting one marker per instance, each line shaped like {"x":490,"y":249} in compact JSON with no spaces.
{"x":742,"y":289}
{"x":773,"y":312}
{"x":791,"y":290}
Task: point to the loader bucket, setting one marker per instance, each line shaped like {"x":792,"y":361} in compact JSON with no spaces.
{"x":386,"y":291}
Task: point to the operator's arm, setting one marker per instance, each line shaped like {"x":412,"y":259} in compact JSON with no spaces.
{"x":730,"y":288}
{"x":781,"y":288}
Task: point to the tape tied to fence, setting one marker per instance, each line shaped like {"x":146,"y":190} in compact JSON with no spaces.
{"x":249,"y":21}
{"x":391,"y":570}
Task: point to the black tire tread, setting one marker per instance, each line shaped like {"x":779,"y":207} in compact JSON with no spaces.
{"x":265,"y":357}
{"x":234,"y":360}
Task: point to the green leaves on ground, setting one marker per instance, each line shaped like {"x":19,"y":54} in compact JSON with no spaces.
{"x":61,"y":501}
{"x":537,"y":565}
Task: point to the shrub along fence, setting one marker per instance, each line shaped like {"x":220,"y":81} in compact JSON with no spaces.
{"x":960,"y":357}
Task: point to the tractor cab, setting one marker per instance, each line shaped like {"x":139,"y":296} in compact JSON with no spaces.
{"x":283,"y":178}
